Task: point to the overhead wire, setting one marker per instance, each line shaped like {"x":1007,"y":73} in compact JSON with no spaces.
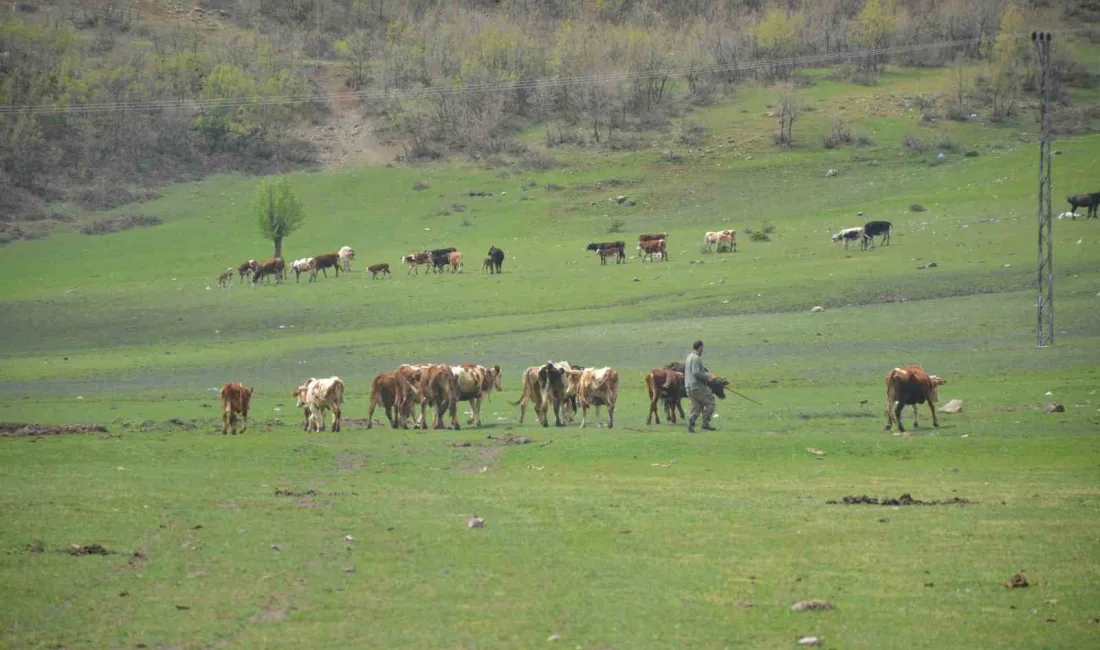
{"x":487,"y":87}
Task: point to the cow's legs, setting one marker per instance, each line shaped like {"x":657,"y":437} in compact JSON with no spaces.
{"x":889,"y":414}
{"x":916,"y":418}
{"x":225,"y":421}
{"x":611,"y":415}
{"x":653,"y":397}
{"x":584,"y":414}
{"x":336,"y":415}
{"x":932,"y":407}
{"x":897,"y":416}
{"x":454,"y":414}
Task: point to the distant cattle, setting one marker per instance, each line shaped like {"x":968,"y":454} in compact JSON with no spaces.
{"x":651,"y":248}
{"x":850,"y":235}
{"x":609,"y":249}
{"x":381,"y":268}
{"x":272,"y":267}
{"x":1089,"y":201}
{"x":910,"y":386}
{"x":438,"y":389}
{"x":301,"y":266}
{"x":497,"y":257}
{"x":346,"y":254}
{"x":595,"y":387}
{"x":235,"y":399}
{"x":226,"y":278}
{"x":653,"y":236}
{"x":546,"y":387}
{"x":322,"y":262}
{"x":721,"y":239}
{"x":317,"y":396}
{"x":665,"y":386}
{"x":415,"y":260}
{"x":441,"y":258}
{"x":247,"y":268}
{"x":455,"y":260}
{"x":474,"y":384}
{"x":873,"y":229}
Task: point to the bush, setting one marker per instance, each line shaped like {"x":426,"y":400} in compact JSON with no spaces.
{"x":466,"y":222}
{"x":553,"y":187}
{"x":106,"y":195}
{"x":458,"y":207}
{"x":760,"y":236}
{"x":916,"y":207}
{"x":768,"y":229}
{"x":671,"y":156}
{"x":945,"y":143}
{"x":839,"y":135}
{"x":108,"y":225}
{"x":537,"y":162}
{"x":615,"y":226}
{"x":691,"y":134}
{"x":420,"y":185}
{"x":910,"y":143}
{"x":854,"y":74}
{"x":957,"y":112}
{"x":864,"y":140}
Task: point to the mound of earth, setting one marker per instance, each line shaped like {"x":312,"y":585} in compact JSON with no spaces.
{"x":903,"y":500}
{"x":17,"y":429}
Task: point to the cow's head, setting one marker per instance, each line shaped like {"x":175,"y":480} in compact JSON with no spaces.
{"x":718,"y":386}
{"x":246,"y":395}
{"x":836,"y":237}
{"x":592,"y":247}
{"x":494,"y":376}
{"x":936,"y":383}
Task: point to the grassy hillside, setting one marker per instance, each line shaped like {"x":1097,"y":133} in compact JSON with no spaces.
{"x":637,"y":537}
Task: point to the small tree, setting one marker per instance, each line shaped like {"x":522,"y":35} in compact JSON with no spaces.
{"x":277,"y":211}
{"x":356,"y":50}
{"x":790,"y":109}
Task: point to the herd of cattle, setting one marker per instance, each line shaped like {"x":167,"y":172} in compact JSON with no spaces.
{"x":560,"y":387}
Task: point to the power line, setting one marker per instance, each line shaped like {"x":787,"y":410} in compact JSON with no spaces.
{"x":488,"y":87}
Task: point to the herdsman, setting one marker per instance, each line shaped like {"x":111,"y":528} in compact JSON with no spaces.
{"x":695,"y":382}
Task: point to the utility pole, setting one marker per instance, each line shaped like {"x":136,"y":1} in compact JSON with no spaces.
{"x":1045,"y":302}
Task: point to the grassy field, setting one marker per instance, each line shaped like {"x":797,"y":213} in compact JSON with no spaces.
{"x":637,"y":537}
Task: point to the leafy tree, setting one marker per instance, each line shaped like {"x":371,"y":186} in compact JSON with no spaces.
{"x":873,"y":27}
{"x":225,"y":121}
{"x":356,"y":50}
{"x":277,"y":211}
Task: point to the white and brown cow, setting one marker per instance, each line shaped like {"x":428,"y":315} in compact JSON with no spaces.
{"x":910,"y":385}
{"x":852,"y":234}
{"x":247,"y":268}
{"x":474,"y":384}
{"x":301,"y":266}
{"x":317,"y":396}
{"x":653,"y":247}
{"x":721,"y":239}
{"x":415,"y":260}
{"x":407,"y":394}
{"x":235,"y":398}
{"x":546,"y":387}
{"x":595,"y":387}
{"x":346,"y":254}
{"x":226,"y":278}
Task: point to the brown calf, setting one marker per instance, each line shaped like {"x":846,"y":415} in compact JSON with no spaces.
{"x":375,"y":269}
{"x":910,"y":386}
{"x":667,"y":386}
{"x":274,"y":266}
{"x":322,"y":262}
{"x":438,"y":388}
{"x":383,"y":392}
{"x":226,"y":278}
{"x":246,"y":268}
{"x":235,"y":398}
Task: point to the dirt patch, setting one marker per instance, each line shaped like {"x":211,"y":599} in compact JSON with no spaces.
{"x":298,"y":494}
{"x":16,"y":429}
{"x":90,"y":549}
{"x":271,"y":615}
{"x":510,"y":440}
{"x":1017,"y":581}
{"x":903,"y":500}
{"x":360,"y":423}
{"x":350,"y":461}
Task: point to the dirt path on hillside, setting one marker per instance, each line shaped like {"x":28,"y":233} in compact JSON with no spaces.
{"x":345,"y":138}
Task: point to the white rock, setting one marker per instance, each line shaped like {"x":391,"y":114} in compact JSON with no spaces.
{"x":809,"y":641}
{"x":817,"y":309}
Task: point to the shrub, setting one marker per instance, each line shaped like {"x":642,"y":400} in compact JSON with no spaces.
{"x":553,"y":187}
{"x":536,"y":162}
{"x":420,"y":185}
{"x":840,"y":134}
{"x":458,"y":207}
{"x":957,"y":112}
{"x":916,"y":207}
{"x":760,"y":236}
{"x":671,"y":156}
{"x":466,"y":222}
{"x":864,"y":140}
{"x":855,"y":74}
{"x":108,"y":225}
{"x":945,"y":143}
{"x":911,"y":143}
{"x":615,"y":226}
{"x":768,"y":229}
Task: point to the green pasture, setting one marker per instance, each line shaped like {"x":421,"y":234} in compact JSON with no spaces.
{"x":635,"y":537}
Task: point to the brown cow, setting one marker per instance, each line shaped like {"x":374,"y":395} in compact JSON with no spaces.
{"x":653,"y":236}
{"x":225,"y":279}
{"x":667,"y":386}
{"x":322,"y":262}
{"x":246,"y":268}
{"x":649,"y":248}
{"x":454,"y":258}
{"x":383,"y":392}
{"x":910,"y":385}
{"x":438,"y":388}
{"x":381,"y":268}
{"x":235,"y":398}
{"x":407,"y":394}
{"x":274,"y":266}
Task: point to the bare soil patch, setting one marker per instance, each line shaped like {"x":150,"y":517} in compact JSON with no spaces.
{"x":360,"y":423}
{"x":903,"y":500}
{"x":18,"y":430}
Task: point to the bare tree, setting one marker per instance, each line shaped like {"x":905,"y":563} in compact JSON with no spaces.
{"x":790,"y":109}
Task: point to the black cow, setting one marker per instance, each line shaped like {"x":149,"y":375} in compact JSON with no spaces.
{"x":441,"y":258}
{"x":496,"y":259}
{"x":873,"y":229}
{"x":1090,"y":201}
{"x":607,"y":249}
{"x":717,"y":385}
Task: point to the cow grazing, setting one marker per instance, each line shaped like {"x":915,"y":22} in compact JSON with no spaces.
{"x":415,"y":260}
{"x":851,"y":234}
{"x":246,"y":268}
{"x":653,"y":236}
{"x":301,"y":266}
{"x":873,"y":229}
{"x":910,"y":386}
{"x":455,"y":260}
{"x":383,"y":392}
{"x":595,"y":387}
{"x":347,"y":254}
{"x":381,"y":268}
{"x":439,"y":389}
{"x":274,"y":267}
{"x":474,"y":384}
{"x":322,"y":262}
{"x":317,"y":396}
{"x":609,"y":249}
{"x":226,"y":278}
{"x":721,"y":239}
{"x":497,"y":257}
{"x":651,"y":248}
{"x":235,"y":399}
{"x":1089,"y":201}
{"x":665,"y":386}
